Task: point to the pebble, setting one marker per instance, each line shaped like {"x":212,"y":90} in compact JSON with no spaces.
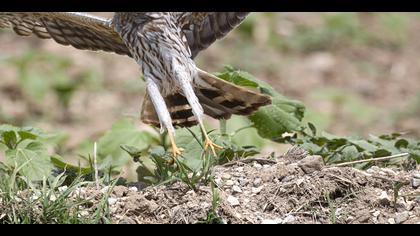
{"x":271,"y":222}
{"x":243,"y":181}
{"x":112,"y":201}
{"x":239,"y":169}
{"x":133,"y":189}
{"x":311,"y":164}
{"x":236,"y":189}
{"x":62,"y":188}
{"x":257,"y":182}
{"x":229,"y":182}
{"x":415,"y":182}
{"x":288,"y":219}
{"x":257,"y":165}
{"x":105,"y":189}
{"x":376,"y":213}
{"x":256,"y":190}
{"x":391,"y":221}
{"x":226,"y":176}
{"x":384,"y":198}
{"x":233,"y":201}
{"x":401,"y":217}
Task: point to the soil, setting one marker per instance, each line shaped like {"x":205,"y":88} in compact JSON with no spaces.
{"x":291,"y":189}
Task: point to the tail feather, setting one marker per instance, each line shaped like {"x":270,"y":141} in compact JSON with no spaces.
{"x":227,"y":97}
{"x":219,"y":99}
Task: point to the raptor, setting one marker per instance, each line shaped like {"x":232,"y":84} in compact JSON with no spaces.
{"x":164,"y":45}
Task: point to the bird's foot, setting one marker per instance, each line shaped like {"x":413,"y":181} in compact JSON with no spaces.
{"x":176,"y":151}
{"x":210,"y":144}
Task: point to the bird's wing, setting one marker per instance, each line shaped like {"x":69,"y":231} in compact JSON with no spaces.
{"x":80,"y":30}
{"x":204,"y":28}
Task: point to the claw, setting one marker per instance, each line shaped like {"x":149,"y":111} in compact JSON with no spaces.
{"x":208,"y":143}
{"x":212,"y":145}
{"x":176,"y":151}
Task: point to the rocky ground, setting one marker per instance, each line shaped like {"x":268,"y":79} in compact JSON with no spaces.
{"x":289,"y":189}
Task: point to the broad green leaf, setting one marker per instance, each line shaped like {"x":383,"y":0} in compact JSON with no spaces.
{"x":9,"y":139}
{"x":35,"y":156}
{"x":365,"y":145}
{"x":27,"y":135}
{"x":59,"y":162}
{"x":271,"y":122}
{"x":192,"y":148}
{"x":122,"y":132}
{"x":350,"y":153}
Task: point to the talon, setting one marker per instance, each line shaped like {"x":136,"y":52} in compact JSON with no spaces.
{"x":212,"y":145}
{"x":176,"y":151}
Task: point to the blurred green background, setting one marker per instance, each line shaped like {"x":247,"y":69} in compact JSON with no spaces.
{"x":357,"y":73}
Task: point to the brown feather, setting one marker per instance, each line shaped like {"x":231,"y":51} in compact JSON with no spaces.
{"x":219,"y":99}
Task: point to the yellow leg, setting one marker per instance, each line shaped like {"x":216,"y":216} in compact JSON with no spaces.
{"x":175,"y":150}
{"x":208,"y":143}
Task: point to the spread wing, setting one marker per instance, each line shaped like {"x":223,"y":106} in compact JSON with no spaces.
{"x":82,"y":31}
{"x":204,"y":28}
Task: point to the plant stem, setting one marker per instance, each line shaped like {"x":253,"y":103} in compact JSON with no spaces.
{"x":371,"y":159}
{"x":223,"y":129}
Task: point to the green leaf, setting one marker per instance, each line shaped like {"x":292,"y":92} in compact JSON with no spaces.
{"x":35,"y":156}
{"x":401,"y":143}
{"x":271,"y":122}
{"x":123,"y":133}
{"x":350,"y":153}
{"x":365,"y":145}
{"x":9,"y":139}
{"x":192,"y":148}
{"x":59,"y":162}
{"x":27,"y":135}
{"x":312,"y":128}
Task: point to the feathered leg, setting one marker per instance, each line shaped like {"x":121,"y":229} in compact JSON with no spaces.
{"x":162,"y":112}
{"x":185,"y":83}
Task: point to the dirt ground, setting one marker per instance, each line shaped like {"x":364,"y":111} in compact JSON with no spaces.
{"x":291,"y":189}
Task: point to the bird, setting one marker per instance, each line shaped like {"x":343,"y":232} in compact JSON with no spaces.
{"x":164,"y":45}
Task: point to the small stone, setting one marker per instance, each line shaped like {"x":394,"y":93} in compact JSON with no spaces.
{"x":256,"y":190}
{"x":311,"y":164}
{"x":119,"y":191}
{"x":376,"y":213}
{"x":62,"y":188}
{"x":289,"y":219}
{"x":239,"y":169}
{"x":127,"y":221}
{"x":266,"y":166}
{"x":384,"y":199}
{"x":243,"y":181}
{"x":257,"y":165}
{"x":415,"y":182}
{"x":112,"y":201}
{"x":229,"y":182}
{"x":133,"y":189}
{"x":218,"y":181}
{"x":271,"y":222}
{"x":257,"y":182}
{"x":401,"y":217}
{"x":236,"y":189}
{"x":105,"y":189}
{"x":233,"y":201}
{"x":226,"y":176}
{"x":391,"y":221}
